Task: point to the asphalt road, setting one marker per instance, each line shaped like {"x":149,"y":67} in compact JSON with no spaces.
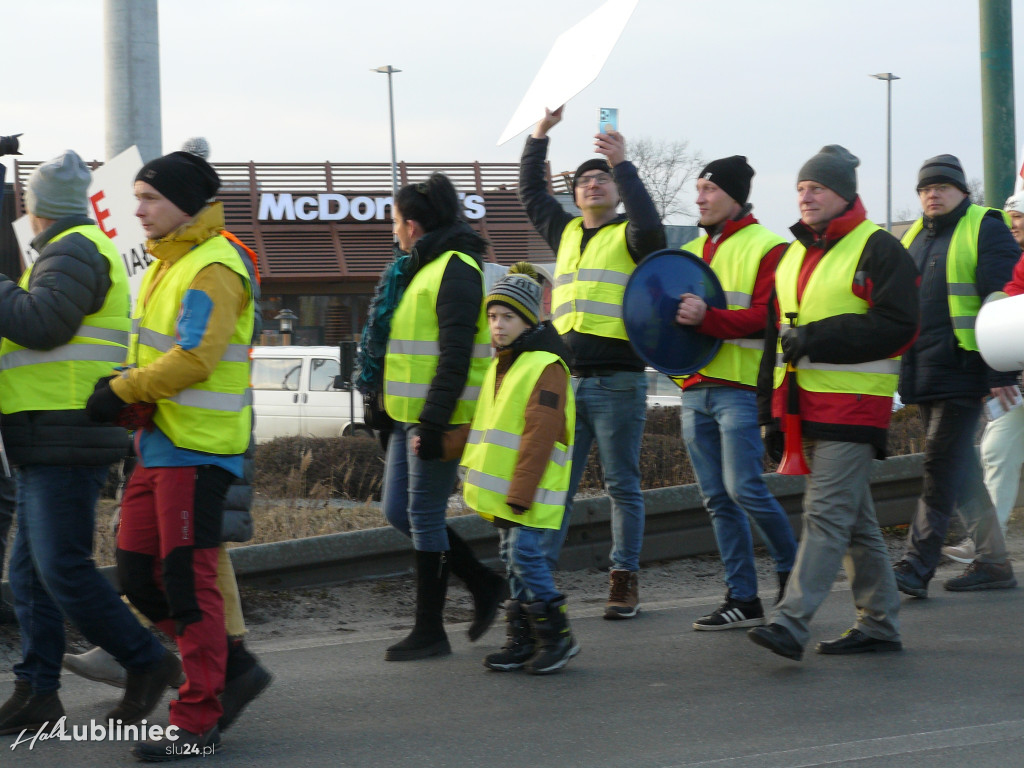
{"x":647,"y":693}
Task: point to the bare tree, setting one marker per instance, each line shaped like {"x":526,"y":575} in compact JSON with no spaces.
{"x":976,"y":190}
{"x":667,"y":168}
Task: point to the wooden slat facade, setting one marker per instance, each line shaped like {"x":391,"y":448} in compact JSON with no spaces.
{"x":328,"y":269}
{"x":332,"y":252}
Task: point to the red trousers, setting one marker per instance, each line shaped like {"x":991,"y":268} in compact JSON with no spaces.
{"x":167,"y":562}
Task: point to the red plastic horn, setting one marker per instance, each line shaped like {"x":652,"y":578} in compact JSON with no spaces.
{"x":793,"y":462}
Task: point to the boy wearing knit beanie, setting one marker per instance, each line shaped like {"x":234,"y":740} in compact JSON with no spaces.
{"x":518,"y":462}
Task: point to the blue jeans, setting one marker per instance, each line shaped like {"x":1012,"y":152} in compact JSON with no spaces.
{"x":53,"y":575}
{"x":724,"y":442}
{"x":415,"y":493}
{"x":529,"y":577}
{"x":8,"y":490}
{"x":612,"y":410}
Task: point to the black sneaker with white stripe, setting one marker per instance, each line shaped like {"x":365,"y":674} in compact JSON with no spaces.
{"x":732,"y":614}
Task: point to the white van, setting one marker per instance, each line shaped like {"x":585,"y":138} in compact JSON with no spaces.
{"x":661,"y":390}
{"x":294,"y":392}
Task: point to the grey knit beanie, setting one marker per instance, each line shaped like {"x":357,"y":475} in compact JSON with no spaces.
{"x":833,"y":167}
{"x":519,"y":290}
{"x":59,"y":188}
{"x":943,"y":169}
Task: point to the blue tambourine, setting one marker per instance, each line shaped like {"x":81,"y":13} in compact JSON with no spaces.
{"x":649,"y":311}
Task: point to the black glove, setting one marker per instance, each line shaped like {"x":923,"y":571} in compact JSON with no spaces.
{"x":517,"y":510}
{"x":794,"y":344}
{"x":431,"y":442}
{"x":774,"y":441}
{"x":103,"y":405}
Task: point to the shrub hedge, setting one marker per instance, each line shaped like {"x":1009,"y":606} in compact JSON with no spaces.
{"x":353,"y":467}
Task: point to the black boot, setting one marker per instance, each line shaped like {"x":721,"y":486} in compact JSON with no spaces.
{"x":27,"y":711}
{"x":244,"y":679}
{"x":555,"y":641}
{"x":488,"y":588}
{"x":519,"y":645}
{"x":143,"y":690}
{"x":427,"y":637}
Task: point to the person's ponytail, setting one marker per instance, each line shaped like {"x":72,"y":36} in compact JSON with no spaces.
{"x":433,"y":203}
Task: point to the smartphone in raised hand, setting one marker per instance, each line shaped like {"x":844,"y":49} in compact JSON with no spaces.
{"x":608,"y":120}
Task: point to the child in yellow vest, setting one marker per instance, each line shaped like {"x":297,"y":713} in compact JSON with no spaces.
{"x":517,"y":462}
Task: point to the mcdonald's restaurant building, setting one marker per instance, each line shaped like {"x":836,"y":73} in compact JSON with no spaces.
{"x":323,"y":231}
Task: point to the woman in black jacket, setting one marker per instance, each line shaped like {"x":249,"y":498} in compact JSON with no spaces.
{"x":438,"y":350}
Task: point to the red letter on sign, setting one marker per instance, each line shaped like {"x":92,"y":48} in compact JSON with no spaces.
{"x":101,"y":215}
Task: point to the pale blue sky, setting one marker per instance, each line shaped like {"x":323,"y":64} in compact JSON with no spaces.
{"x":772,"y":79}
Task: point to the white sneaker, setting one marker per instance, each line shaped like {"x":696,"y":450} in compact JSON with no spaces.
{"x":961,"y":553}
{"x":96,"y":665}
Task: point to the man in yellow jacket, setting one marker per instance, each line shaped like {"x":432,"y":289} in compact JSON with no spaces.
{"x":189,"y":357}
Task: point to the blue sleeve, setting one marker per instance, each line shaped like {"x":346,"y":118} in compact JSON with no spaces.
{"x":194,"y":318}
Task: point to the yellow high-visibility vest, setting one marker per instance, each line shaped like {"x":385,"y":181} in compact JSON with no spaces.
{"x":63,"y":378}
{"x":828,"y":293}
{"x":493,"y":447}
{"x":587,"y":293}
{"x":211,"y":416}
{"x":414,"y":347}
{"x":736,"y":263}
{"x":962,"y":271}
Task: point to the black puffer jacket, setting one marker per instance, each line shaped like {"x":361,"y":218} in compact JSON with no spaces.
{"x":69,"y":281}
{"x":936,"y":367}
{"x":458,"y":310}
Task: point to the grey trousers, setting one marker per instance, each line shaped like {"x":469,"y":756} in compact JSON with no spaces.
{"x":840,"y":528}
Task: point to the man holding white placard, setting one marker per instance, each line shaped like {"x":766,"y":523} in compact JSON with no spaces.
{"x":596,"y":254}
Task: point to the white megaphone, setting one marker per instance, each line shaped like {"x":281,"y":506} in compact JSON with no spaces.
{"x":999,"y":331}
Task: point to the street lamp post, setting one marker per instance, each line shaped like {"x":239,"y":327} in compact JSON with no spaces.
{"x":888,"y":77}
{"x":389,"y":70}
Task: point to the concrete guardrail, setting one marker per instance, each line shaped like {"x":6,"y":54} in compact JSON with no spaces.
{"x":677,"y":526}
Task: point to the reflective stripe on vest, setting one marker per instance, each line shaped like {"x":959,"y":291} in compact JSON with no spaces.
{"x":162,"y":342}
{"x":961,"y":271}
{"x":492,"y":450}
{"x":829,"y":292}
{"x":211,"y":416}
{"x":63,"y":378}
{"x":586,"y":295}
{"x":414,"y":348}
{"x":736,"y":263}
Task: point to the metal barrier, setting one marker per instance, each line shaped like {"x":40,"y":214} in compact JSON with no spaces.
{"x":677,"y":526}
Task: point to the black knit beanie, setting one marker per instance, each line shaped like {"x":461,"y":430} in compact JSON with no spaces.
{"x":185,"y":179}
{"x":596,"y":164}
{"x":732,"y":175}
